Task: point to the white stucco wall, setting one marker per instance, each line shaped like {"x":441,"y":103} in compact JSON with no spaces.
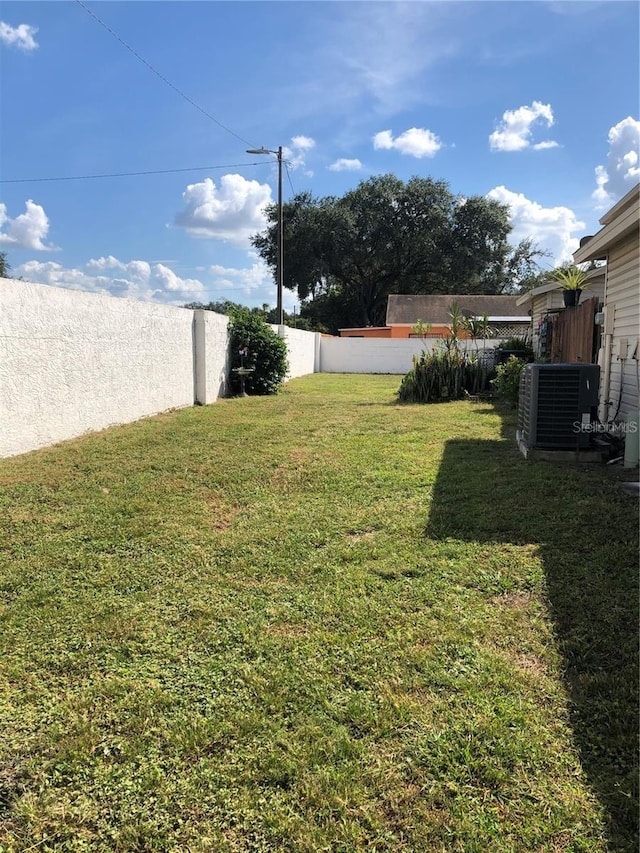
{"x":368,"y":355}
{"x":380,"y":355}
{"x":211,"y":356}
{"x":71,"y":362}
{"x":303,"y":350}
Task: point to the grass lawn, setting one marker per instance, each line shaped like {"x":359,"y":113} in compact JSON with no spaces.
{"x":316,"y":622}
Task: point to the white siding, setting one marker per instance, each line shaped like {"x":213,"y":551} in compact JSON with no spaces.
{"x":540,"y":305}
{"x":623,"y":298}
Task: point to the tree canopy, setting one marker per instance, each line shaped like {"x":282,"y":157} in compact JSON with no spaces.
{"x":344,"y":256}
{"x":269,"y":315}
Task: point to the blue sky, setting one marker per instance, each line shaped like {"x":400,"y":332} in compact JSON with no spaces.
{"x":533,"y":103}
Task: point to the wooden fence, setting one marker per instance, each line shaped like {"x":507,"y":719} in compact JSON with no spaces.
{"x":573,"y":333}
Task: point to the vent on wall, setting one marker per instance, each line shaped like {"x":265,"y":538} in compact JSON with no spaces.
{"x":557,"y":404}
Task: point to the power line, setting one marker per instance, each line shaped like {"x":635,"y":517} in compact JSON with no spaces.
{"x":161,"y":76}
{"x":289,"y":176}
{"x":127,"y":174}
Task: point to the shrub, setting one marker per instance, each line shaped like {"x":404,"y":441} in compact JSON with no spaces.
{"x":447,"y":373}
{"x":263,"y":351}
{"x":519,"y":345}
{"x":443,"y":375}
{"x":506,"y":385}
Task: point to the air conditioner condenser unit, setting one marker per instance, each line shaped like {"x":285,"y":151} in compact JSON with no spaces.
{"x":557,"y":405}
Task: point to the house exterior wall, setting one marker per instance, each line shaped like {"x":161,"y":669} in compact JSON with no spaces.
{"x":436,"y":331}
{"x":540,"y":305}
{"x":621,"y":327}
{"x":399,"y":331}
{"x":619,"y":242}
{"x":71,"y":362}
{"x":367,"y":332}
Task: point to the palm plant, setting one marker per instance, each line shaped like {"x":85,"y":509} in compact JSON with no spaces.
{"x":477,"y":327}
{"x":569,"y":277}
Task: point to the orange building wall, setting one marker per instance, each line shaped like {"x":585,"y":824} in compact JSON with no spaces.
{"x":405,"y":331}
{"x":367,"y":332}
{"x":397,"y":331}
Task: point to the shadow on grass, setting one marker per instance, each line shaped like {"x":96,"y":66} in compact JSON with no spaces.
{"x":587,"y":534}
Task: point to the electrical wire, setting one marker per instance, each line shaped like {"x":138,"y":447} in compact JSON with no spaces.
{"x":161,"y":76}
{"x":289,"y":176}
{"x":154,"y":171}
{"x":128,"y":174}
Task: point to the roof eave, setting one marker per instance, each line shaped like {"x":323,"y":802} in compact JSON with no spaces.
{"x":621,"y":221}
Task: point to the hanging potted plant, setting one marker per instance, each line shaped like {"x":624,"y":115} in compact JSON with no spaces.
{"x":572,"y":281}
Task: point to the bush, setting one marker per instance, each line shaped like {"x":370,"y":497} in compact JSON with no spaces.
{"x":263,"y":350}
{"x":506,"y":385}
{"x":519,"y":345}
{"x":443,"y":375}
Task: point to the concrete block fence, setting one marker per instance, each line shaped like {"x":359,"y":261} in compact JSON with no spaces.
{"x":73,"y":362}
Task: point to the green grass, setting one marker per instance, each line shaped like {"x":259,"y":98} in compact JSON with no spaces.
{"x":316,"y":622}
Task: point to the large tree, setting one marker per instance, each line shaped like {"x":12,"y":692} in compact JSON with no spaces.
{"x":344,"y":256}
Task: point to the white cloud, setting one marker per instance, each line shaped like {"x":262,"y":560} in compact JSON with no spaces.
{"x":303,"y":142}
{"x":296,"y":155}
{"x":233,"y":212}
{"x":21,"y":36}
{"x":514,"y":131}
{"x":253,"y":284}
{"x":136,"y":279}
{"x":27,"y":230}
{"x":157,"y":282}
{"x":249,"y":281}
{"x":622,"y":170}
{"x":345,"y":165}
{"x":105,"y":263}
{"x":417,"y":142}
{"x":555,"y":229}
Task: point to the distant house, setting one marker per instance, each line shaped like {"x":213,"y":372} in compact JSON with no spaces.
{"x":545,"y":302}
{"x":405,"y":311}
{"x":619,"y":242}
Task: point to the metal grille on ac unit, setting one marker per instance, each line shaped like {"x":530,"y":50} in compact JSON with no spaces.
{"x":557,"y":404}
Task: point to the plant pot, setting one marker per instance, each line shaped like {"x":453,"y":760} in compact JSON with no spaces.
{"x":571,"y":298}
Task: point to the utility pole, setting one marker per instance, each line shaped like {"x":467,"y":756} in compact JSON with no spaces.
{"x":280,"y":232}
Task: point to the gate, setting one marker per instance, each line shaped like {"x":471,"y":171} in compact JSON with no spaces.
{"x":573,"y":333}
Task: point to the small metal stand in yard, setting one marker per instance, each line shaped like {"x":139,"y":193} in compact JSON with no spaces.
{"x":243,"y":372}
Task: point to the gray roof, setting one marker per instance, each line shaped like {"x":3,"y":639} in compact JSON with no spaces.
{"x":407,"y":310}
